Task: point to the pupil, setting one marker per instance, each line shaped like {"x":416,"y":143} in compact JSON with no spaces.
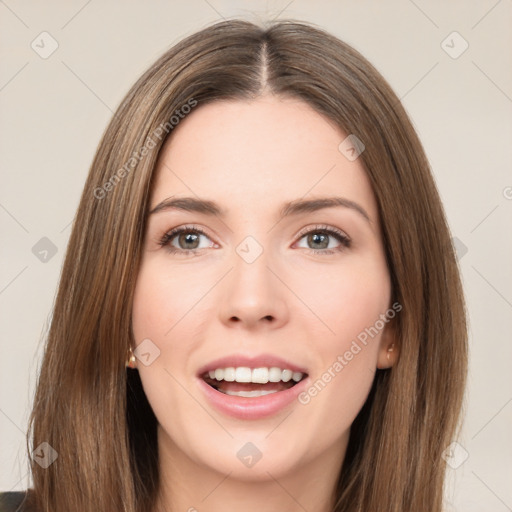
{"x":316,"y":239}
{"x":189,"y":237}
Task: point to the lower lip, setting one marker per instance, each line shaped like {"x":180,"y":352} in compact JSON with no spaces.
{"x":252,"y":408}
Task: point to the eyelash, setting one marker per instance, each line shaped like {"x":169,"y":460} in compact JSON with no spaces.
{"x":326,"y":230}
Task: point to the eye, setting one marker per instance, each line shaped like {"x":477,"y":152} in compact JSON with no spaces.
{"x":320,"y":238}
{"x":184,"y":240}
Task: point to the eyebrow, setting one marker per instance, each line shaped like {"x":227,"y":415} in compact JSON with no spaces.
{"x":207,"y":207}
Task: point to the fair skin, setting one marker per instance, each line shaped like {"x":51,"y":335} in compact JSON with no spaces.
{"x":304,"y":307}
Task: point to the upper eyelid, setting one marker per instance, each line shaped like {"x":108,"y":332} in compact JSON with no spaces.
{"x":322,"y":227}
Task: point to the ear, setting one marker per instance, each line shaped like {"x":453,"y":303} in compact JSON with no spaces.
{"x":388,"y":348}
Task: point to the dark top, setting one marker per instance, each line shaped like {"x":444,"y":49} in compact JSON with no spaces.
{"x":12,"y":501}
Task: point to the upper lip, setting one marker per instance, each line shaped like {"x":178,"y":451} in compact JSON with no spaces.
{"x":256,"y":361}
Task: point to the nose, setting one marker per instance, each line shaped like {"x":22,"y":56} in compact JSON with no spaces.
{"x":253,"y":294}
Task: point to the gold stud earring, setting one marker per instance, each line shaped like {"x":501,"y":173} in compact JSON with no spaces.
{"x":130,"y":360}
{"x":390,"y":349}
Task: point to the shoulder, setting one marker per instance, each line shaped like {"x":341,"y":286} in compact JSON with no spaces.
{"x":13,"y":501}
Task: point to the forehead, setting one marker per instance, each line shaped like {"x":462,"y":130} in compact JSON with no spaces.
{"x":251,"y":154}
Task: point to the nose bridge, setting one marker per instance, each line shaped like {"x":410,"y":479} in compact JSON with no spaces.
{"x":252,"y":292}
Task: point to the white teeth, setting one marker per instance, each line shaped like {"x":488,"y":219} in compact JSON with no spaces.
{"x":260,"y":375}
{"x":297,"y":376}
{"x":287,"y":375}
{"x":229,"y":374}
{"x":242,"y":374}
{"x":255,"y":375}
{"x":274,"y":374}
{"x":250,"y":394}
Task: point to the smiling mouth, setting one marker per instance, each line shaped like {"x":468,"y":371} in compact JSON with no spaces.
{"x":252,"y":382}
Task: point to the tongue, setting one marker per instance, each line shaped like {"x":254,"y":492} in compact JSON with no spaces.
{"x":224,"y":386}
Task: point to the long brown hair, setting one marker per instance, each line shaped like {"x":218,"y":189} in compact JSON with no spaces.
{"x":93,"y":411}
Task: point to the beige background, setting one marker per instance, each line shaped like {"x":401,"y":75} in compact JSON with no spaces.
{"x":54,"y":110}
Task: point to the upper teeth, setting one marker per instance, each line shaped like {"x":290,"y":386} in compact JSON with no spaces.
{"x":256,"y":375}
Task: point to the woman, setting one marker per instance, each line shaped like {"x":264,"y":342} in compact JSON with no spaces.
{"x":260,"y":296}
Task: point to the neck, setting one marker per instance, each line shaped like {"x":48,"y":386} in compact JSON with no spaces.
{"x":188,"y":486}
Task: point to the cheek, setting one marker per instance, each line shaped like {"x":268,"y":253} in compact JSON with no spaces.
{"x":351,"y":301}
{"x":346,"y":299}
{"x":163,"y":312}
{"x":164,"y":296}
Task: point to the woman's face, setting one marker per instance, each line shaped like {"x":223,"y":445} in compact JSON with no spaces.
{"x":273,"y":289}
